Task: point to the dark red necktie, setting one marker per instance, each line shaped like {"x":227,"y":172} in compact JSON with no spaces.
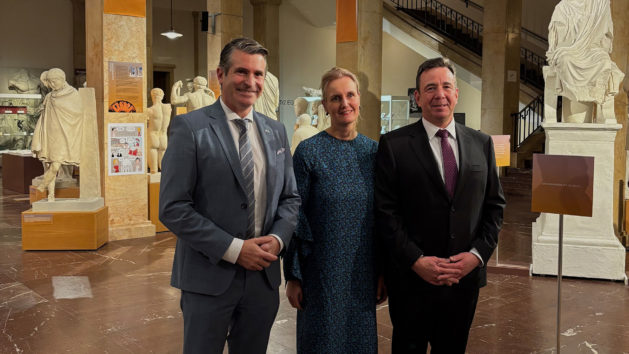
{"x":450,"y":171}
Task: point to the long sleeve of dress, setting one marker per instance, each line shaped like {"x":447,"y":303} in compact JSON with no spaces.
{"x":300,"y":246}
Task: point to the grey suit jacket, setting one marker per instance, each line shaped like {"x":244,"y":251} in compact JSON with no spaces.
{"x":414,"y":213}
{"x":203,"y":202}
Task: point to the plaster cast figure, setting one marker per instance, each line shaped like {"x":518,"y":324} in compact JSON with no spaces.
{"x":312,"y":92}
{"x":58,"y":134}
{"x":158,"y":120}
{"x":580,"y":68}
{"x":303,"y":131}
{"x":323,"y":119}
{"x":25,"y":82}
{"x":301,"y":106}
{"x":269,"y":101}
{"x":201,"y":97}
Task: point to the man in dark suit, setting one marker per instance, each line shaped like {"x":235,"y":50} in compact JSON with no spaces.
{"x":439,"y":208}
{"x":228,"y":192}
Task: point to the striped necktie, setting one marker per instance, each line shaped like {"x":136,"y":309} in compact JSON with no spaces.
{"x":450,"y":171}
{"x":246,"y":163}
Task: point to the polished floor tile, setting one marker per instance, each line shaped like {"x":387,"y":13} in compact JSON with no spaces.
{"x":45,"y":305}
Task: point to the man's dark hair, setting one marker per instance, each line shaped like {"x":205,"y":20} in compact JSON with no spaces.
{"x":435,"y":63}
{"x":246,"y":45}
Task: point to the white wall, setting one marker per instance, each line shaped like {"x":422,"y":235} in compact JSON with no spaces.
{"x":36,"y":34}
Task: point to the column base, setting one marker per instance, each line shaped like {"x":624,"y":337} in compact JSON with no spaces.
{"x":125,"y":232}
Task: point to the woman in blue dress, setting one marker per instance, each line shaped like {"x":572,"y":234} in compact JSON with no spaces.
{"x":330,"y":264}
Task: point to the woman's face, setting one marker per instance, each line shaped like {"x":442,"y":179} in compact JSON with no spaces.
{"x":342,"y":101}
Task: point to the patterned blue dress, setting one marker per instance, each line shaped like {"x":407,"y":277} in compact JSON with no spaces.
{"x":333,"y":251}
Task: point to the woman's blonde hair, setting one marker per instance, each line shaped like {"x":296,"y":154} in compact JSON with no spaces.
{"x":334,"y":74}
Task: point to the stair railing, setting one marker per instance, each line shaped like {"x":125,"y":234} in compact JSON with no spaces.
{"x":531,"y":66}
{"x":445,"y":20}
{"x":527,"y":121}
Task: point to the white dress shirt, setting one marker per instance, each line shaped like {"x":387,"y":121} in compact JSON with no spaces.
{"x":259,"y":178}
{"x":435,"y":145}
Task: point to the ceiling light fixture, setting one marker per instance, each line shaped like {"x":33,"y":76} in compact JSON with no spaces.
{"x":172,"y":34}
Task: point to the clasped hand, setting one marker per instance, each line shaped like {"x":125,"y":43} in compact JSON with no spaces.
{"x":445,"y":271}
{"x":258,"y":253}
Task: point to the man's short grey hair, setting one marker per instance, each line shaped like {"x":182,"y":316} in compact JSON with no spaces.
{"x":434,"y":63}
{"x":246,"y":45}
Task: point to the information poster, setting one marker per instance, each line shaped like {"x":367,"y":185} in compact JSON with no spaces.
{"x":502,"y":149}
{"x":125,"y":87}
{"x":563,"y":184}
{"x":126,"y":148}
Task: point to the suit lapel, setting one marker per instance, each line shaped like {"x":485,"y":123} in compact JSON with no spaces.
{"x":267,"y":137}
{"x":219,"y":123}
{"x":464,"y":160}
{"x":421,"y":147}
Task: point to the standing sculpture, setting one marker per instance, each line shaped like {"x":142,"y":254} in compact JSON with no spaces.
{"x":158,"y":120}
{"x":57,"y":137}
{"x":303,"y":131}
{"x":580,"y":68}
{"x":201,"y":96}
{"x":269,"y":101}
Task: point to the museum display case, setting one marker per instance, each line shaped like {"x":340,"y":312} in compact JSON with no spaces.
{"x":18,"y":116}
{"x":394,"y":113}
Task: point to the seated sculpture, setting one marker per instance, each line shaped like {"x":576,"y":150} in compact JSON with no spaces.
{"x":201,"y":96}
{"x":158,"y":120}
{"x":269,"y":101}
{"x":580,"y":68}
{"x":58,"y":134}
{"x":303,"y":131}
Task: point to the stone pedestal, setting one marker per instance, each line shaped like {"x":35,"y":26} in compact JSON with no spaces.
{"x":591,"y":248}
{"x":154,"y":184}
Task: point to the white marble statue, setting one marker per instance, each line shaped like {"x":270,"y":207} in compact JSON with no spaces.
{"x":201,"y":97}
{"x":580,"y":68}
{"x":303,"y":131}
{"x":312,"y":92}
{"x":269,"y":101}
{"x":300,"y":105}
{"x":323,"y":119}
{"x":25,"y":82}
{"x":57,"y":137}
{"x":158,"y":120}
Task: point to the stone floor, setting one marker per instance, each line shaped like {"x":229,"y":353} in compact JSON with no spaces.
{"x":118,"y":299}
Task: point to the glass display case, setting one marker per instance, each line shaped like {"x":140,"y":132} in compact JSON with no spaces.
{"x":394,"y":113}
{"x":18,"y":116}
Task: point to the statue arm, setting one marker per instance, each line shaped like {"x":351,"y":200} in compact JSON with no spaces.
{"x":175,"y":94}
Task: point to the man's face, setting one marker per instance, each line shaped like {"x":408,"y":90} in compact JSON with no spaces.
{"x":243,"y":83}
{"x":437,"y":96}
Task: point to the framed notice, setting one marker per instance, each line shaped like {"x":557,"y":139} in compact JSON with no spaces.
{"x":563,"y":184}
{"x":125,"y":87}
{"x":502,"y":149}
{"x":126,"y":149}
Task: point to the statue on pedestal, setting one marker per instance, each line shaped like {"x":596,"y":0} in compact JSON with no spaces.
{"x":269,"y":101}
{"x":201,"y":96}
{"x":323,"y":119}
{"x":303,"y":131}
{"x":580,"y":68}
{"x":158,"y":120}
{"x":58,"y":134}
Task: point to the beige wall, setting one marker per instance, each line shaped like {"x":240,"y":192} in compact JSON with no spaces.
{"x":37,"y":34}
{"x":178,"y":52}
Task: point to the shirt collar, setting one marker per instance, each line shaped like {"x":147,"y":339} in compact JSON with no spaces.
{"x":231,"y":115}
{"x":432,"y":129}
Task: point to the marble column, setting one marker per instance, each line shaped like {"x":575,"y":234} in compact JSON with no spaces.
{"x":501,"y":65}
{"x":266,"y":30}
{"x":228,"y":26}
{"x":359,"y":49}
{"x":118,"y":38}
{"x":620,"y":55}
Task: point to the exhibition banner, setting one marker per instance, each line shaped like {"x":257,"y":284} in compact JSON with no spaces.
{"x":502,"y":149}
{"x":563,"y":184}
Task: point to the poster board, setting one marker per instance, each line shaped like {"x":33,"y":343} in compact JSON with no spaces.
{"x":125,"y":87}
{"x":563,"y":184}
{"x":126,"y":153}
{"x":502,"y":149}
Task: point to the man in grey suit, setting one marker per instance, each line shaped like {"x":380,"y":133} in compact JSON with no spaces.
{"x":439,"y":207}
{"x":228,"y":192}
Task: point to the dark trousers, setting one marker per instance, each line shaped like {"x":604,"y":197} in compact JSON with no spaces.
{"x":422,"y":313}
{"x":242,"y":316}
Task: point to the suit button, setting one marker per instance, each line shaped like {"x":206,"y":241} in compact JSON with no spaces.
{"x":452,"y":236}
{"x":243,"y":206}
